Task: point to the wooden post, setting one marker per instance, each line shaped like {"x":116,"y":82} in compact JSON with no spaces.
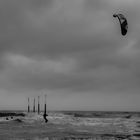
{"x":28,"y":105}
{"x":45,"y":106}
{"x":45,"y":109}
{"x":34,"y":106}
{"x":38,"y":105}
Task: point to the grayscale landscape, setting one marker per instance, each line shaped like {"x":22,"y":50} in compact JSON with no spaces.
{"x":69,"y":69}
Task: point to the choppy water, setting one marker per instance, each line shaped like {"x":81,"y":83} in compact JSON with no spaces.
{"x":73,"y":125}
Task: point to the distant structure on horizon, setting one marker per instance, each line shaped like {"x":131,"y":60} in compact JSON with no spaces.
{"x":34,"y":105}
{"x":45,"y":110}
{"x":28,"y":105}
{"x":45,"y":105}
{"x":38,"y":105}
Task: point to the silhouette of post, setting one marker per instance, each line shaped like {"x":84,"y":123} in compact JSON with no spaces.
{"x":38,"y":105}
{"x":45,"y":106}
{"x":28,"y":105}
{"x":34,"y":106}
{"x":45,"y":109}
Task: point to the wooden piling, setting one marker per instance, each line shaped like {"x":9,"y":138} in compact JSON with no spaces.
{"x":28,"y":105}
{"x":38,"y":105}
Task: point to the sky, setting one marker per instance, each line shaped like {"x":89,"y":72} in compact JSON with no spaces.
{"x":71,"y":50}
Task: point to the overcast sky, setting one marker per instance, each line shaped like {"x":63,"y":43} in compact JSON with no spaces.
{"x":72,"y":50}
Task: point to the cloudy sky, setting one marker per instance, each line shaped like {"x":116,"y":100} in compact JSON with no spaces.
{"x":72,"y":50}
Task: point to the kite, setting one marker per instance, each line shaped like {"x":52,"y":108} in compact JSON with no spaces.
{"x":123,"y":23}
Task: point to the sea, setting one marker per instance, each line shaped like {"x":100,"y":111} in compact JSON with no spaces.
{"x":69,"y":125}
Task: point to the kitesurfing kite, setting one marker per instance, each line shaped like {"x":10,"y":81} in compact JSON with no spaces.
{"x":123,"y":23}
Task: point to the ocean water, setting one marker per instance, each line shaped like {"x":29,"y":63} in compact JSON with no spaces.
{"x":91,"y":125}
